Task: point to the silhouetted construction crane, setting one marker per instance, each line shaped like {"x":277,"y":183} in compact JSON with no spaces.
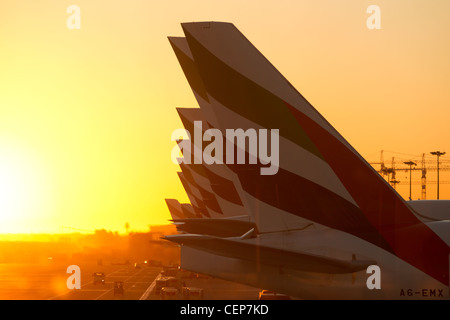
{"x":398,"y":164}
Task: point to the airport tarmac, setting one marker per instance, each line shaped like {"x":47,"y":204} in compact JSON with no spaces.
{"x":47,"y":281}
{"x":135,"y":283}
{"x":213,"y":289}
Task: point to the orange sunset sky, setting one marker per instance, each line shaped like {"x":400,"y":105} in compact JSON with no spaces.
{"x":86,"y":115}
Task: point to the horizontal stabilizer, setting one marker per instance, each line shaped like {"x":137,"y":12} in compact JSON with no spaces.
{"x":270,"y":256}
{"x":214,"y":227}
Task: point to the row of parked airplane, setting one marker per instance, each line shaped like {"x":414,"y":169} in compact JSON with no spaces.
{"x":326,"y":225}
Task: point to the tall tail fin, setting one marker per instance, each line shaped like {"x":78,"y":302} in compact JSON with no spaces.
{"x":188,"y":211}
{"x":321,"y":177}
{"x":175,"y":209}
{"x":194,"y":196}
{"x":214,"y":185}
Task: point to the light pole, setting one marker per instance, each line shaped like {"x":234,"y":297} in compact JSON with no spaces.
{"x":410,"y":164}
{"x":438,"y":154}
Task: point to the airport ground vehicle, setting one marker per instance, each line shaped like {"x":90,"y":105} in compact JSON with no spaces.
{"x":166,"y":282}
{"x":169,"y":293}
{"x":170,"y":271}
{"x":118,"y":288}
{"x":173,"y":282}
{"x":99,"y":278}
{"x":160,"y":283}
{"x":191,"y":293}
{"x":154,"y":263}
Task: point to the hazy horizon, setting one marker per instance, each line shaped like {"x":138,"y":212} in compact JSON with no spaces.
{"x":86,"y":115}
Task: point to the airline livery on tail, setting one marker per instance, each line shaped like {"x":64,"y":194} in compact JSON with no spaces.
{"x":314,"y":220}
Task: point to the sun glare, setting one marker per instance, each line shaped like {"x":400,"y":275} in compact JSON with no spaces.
{"x":21,"y":192}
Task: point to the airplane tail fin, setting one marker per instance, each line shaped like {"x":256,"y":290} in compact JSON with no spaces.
{"x":188,"y":211}
{"x":175,"y":209}
{"x":321,"y":178}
